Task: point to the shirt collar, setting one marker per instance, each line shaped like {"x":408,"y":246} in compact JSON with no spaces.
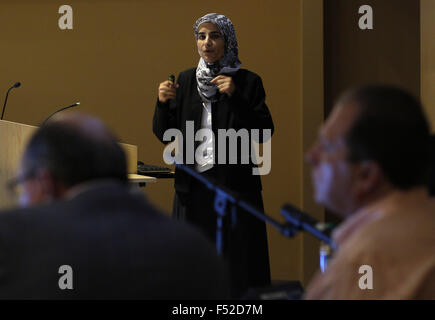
{"x":394,"y":201}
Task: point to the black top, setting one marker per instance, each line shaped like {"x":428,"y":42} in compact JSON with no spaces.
{"x":246,"y":108}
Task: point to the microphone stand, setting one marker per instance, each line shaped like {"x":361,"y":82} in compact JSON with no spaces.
{"x":304,"y":222}
{"x":6,"y":101}
{"x":64,"y":108}
{"x":223,"y":195}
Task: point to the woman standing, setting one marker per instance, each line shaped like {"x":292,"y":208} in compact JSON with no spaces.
{"x":218,"y":94}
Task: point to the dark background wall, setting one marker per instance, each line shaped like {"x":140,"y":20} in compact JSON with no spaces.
{"x":390,"y":53}
{"x":427,"y":64}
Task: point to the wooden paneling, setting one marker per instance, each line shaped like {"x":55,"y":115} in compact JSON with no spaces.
{"x":14,"y":138}
{"x":388,"y":54}
{"x":427,"y":9}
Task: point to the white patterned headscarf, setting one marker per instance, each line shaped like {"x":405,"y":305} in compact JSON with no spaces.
{"x":228,"y":64}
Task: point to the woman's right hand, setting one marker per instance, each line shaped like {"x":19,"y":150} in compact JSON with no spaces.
{"x":167,"y":91}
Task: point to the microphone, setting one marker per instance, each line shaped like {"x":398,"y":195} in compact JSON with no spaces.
{"x":16,"y":85}
{"x":64,"y":108}
{"x":171,"y":78}
{"x":302,"y":221}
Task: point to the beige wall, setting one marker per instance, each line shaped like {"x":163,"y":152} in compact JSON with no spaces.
{"x":427,"y":11}
{"x":120,"y":50}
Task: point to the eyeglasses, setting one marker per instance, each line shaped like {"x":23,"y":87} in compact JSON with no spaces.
{"x":14,"y":184}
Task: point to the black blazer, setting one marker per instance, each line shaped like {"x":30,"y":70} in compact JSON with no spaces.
{"x":246,"y":108}
{"x":117,"y":244}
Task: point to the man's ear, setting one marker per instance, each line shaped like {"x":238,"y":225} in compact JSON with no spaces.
{"x":368,"y":177}
{"x":50,"y":187}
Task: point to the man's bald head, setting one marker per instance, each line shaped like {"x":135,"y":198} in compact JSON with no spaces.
{"x":74,"y":148}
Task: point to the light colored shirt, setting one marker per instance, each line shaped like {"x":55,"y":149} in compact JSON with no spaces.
{"x":395,"y":236}
{"x":206,"y":159}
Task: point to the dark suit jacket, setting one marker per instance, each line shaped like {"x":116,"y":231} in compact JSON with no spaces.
{"x":117,"y":245}
{"x":246,"y":108}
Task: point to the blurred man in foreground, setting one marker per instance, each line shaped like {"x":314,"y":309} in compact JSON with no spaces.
{"x":87,"y":234}
{"x":369,"y":166}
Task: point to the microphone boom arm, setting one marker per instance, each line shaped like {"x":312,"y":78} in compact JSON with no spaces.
{"x":16,"y":85}
{"x":288,"y":229}
{"x":71,"y":106}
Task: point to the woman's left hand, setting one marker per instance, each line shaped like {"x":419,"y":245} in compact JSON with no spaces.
{"x":224,"y":84}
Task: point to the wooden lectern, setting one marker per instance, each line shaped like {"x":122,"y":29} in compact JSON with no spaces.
{"x":13,"y":140}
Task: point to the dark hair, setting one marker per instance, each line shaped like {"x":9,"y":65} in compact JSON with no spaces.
{"x":391,"y":129}
{"x":72,"y":156}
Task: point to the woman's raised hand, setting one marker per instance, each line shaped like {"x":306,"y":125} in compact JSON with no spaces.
{"x":167,"y":91}
{"x":224,"y":84}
